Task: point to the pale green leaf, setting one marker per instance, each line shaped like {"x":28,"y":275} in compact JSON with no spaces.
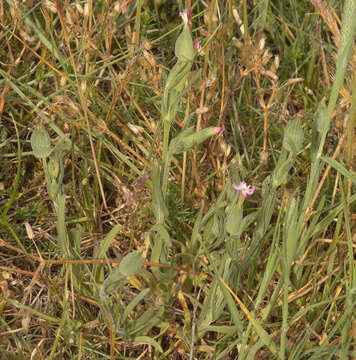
{"x":131,"y":264}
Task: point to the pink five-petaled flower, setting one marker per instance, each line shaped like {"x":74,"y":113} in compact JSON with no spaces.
{"x":244,"y":188}
{"x":197,"y":45}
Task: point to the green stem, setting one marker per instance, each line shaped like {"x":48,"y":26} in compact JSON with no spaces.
{"x":32,"y":311}
{"x":63,"y":320}
{"x":166,"y":157}
{"x":4,"y":222}
{"x":351,"y":126}
{"x":343,"y":56}
{"x":14,"y":191}
{"x":282,"y":350}
{"x":61,"y":227}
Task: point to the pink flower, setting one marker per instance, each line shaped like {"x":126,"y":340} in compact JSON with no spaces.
{"x":197,"y":45}
{"x":244,"y":188}
{"x":184,"y":15}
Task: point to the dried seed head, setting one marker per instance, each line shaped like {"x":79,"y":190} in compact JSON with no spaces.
{"x":117,"y":7}
{"x":266,"y":57}
{"x":83,"y":86}
{"x":150,"y":58}
{"x":146,"y":44}
{"x":275,"y":64}
{"x":63,"y":81}
{"x":225,"y":148}
{"x":69,"y":18}
{"x":29,"y":231}
{"x":79,"y":8}
{"x":136,"y":129}
{"x":214,"y":18}
{"x":270,"y":74}
{"x":86,"y":10}
{"x":236,"y":16}
{"x":202,"y":110}
{"x":264,"y":157}
{"x":262,"y":43}
{"x":237,"y":43}
{"x":50,"y":6}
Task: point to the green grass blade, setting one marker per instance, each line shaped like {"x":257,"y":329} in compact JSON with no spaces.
{"x":262,"y":333}
{"x":133,"y":304}
{"x":98,"y":270}
{"x":340,"y":168}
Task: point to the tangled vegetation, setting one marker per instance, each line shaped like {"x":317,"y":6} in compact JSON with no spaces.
{"x":177,"y":179}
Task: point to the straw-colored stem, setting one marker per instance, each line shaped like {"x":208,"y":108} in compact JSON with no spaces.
{"x":138,"y":24}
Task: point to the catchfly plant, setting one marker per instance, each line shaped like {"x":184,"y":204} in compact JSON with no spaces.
{"x":176,"y":86}
{"x":244,"y":188}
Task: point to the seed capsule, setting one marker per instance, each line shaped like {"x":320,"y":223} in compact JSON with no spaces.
{"x":41,"y":143}
{"x":53,"y":167}
{"x":184,"y":48}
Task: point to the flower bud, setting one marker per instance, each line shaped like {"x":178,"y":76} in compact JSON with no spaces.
{"x":41,"y":143}
{"x":188,"y":139}
{"x":184,"y":48}
{"x":197,"y":45}
{"x":159,"y":207}
{"x":290,"y":234}
{"x":234,"y":220}
{"x":281,"y":171}
{"x":53,"y":166}
{"x":293,"y":137}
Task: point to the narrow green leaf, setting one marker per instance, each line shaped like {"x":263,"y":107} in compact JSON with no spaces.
{"x":32,"y":311}
{"x":340,"y":168}
{"x":149,"y":341}
{"x":10,"y":356}
{"x":44,"y":39}
{"x":132,"y":304}
{"x":152,"y":317}
{"x":195,"y":238}
{"x":262,"y":333}
{"x":122,"y":157}
{"x":232,"y":308}
{"x":109,"y":238}
{"x":110,"y":285}
{"x":98,"y":270}
{"x":63,"y":240}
